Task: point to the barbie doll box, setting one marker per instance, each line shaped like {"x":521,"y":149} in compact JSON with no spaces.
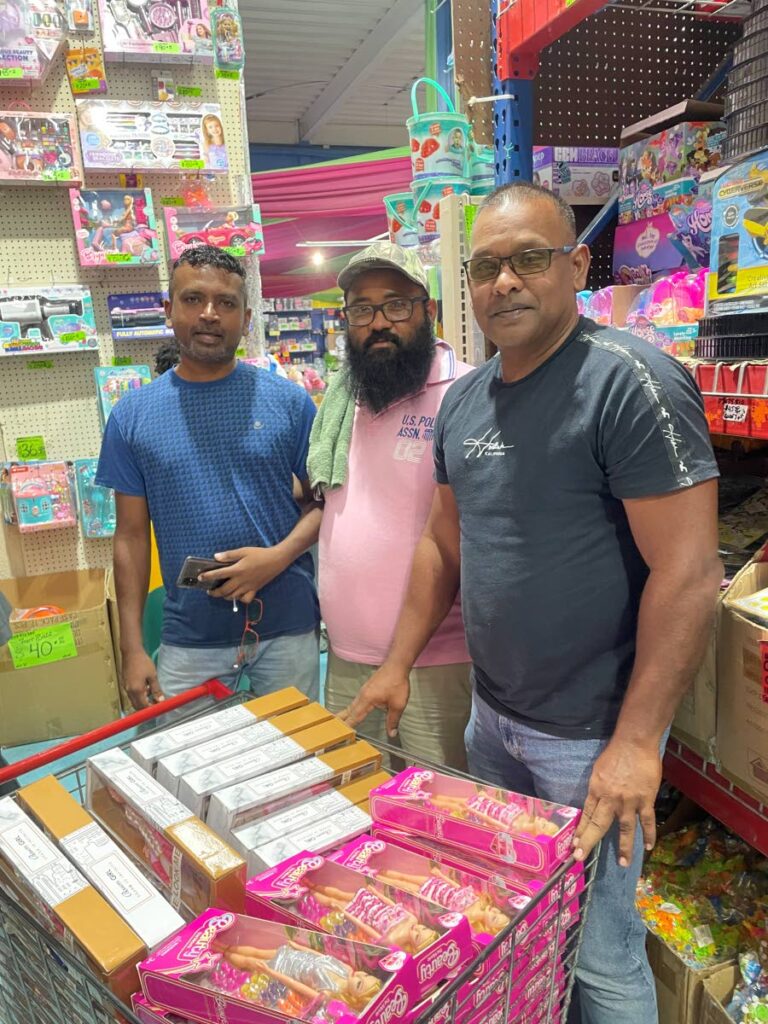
{"x":312,"y":892}
{"x":228,"y":969}
{"x":148,"y":750}
{"x":532,"y":834}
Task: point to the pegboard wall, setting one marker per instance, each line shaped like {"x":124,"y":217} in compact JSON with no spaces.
{"x":472,"y":62}
{"x":37,"y":248}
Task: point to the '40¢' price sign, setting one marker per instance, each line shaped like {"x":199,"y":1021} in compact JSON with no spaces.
{"x":42,"y":646}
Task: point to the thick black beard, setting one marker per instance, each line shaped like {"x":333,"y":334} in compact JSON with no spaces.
{"x":382,"y":377}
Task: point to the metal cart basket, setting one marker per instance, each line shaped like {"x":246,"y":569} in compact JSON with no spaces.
{"x":44,"y":981}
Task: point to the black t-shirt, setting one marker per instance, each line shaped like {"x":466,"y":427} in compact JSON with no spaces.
{"x":551,"y":577}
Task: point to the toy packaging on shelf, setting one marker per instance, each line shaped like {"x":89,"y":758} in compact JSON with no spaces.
{"x":42,"y":496}
{"x":237,"y":229}
{"x":312,"y":892}
{"x":667,"y":313}
{"x":85,"y":71}
{"x":157,"y":31}
{"x":138,"y":316}
{"x":670,"y":241}
{"x":236,"y":806}
{"x":98,"y":514}
{"x":223,"y":965}
{"x":102,"y":862}
{"x":39,"y":149}
{"x":115,"y":227}
{"x":31,"y":34}
{"x":194,"y":867}
{"x":532,"y":834}
{"x":54,"y":892}
{"x":739,"y":264}
{"x":579,"y":175}
{"x":151,"y":136}
{"x":148,"y":750}
{"x":112,"y":382}
{"x":46,"y":318}
{"x":227,"y":28}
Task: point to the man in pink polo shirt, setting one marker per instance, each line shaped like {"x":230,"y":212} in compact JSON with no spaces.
{"x":388,"y":393}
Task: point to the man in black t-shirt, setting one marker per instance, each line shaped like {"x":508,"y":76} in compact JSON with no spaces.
{"x":576,"y":505}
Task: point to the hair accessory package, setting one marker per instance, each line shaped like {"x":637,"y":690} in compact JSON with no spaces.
{"x":228,"y":969}
{"x":98,"y":514}
{"x":151,"y":136}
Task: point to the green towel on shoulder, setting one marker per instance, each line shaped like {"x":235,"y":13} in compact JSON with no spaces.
{"x":331,"y":435}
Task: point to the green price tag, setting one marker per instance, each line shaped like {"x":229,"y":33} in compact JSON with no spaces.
{"x":64,"y":174}
{"x":228,"y":76}
{"x":42,"y":646}
{"x":72,"y":337}
{"x":40,"y":364}
{"x":470,"y":212}
{"x":11,"y":73}
{"x":31,"y":449}
{"x":166,"y":47}
{"x":172,"y":201}
{"x":122,"y":360}
{"x":188,"y":90}
{"x":119,"y":257}
{"x":235,"y":250}
{"x":86,"y":84}
{"x":191,"y":165}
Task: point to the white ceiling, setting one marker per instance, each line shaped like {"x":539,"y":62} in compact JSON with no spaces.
{"x":331,"y":72}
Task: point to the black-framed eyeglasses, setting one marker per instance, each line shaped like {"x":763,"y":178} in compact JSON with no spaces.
{"x":394,"y":310}
{"x":529,"y":261}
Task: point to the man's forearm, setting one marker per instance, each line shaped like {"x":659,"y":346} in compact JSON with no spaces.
{"x":131,"y":563}
{"x":432,"y":590}
{"x":302,"y":536}
{"x":675,"y":622}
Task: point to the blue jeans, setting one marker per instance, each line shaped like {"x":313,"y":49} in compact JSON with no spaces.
{"x":614,"y":979}
{"x":273,"y":664}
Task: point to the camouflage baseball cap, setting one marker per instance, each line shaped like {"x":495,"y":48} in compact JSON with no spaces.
{"x":384,"y":256}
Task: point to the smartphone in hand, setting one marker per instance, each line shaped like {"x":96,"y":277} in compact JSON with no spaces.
{"x":193,"y":567}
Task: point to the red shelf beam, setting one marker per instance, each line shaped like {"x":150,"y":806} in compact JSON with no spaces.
{"x":700,"y":781}
{"x":526,"y":27}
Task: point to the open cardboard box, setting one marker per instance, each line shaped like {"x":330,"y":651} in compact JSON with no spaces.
{"x":68,"y":697}
{"x":679,"y":988}
{"x":716,"y":994}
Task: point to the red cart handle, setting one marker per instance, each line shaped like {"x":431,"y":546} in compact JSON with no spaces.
{"x":213,"y":688}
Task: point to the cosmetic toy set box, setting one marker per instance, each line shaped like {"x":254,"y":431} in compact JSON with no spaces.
{"x":31,"y":34}
{"x":229,"y":969}
{"x":510,"y":829}
{"x":160,"y":31}
{"x":39,"y":149}
{"x":151,"y":136}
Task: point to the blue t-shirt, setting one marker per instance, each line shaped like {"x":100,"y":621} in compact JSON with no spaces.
{"x":215,"y":462}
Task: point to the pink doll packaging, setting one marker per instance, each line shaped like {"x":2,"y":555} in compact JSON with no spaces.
{"x":309,"y":890}
{"x":224,"y":968}
{"x":149,"y":1014}
{"x":531,"y":834}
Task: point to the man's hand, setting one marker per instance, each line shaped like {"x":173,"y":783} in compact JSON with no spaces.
{"x":389,"y":690}
{"x":624,"y":783}
{"x":250,"y":571}
{"x":140,"y":679}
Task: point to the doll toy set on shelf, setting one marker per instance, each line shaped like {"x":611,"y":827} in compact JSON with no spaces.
{"x":56,"y":318}
{"x":40,"y":148}
{"x":114,"y":227}
{"x":234,"y":228}
{"x":42,"y":496}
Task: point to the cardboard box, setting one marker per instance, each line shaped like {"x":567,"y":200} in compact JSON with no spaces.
{"x":237,"y":805}
{"x":77,"y":913}
{"x":66,"y":697}
{"x":171,"y":769}
{"x":717,"y":991}
{"x":742,"y":695}
{"x":195,"y":868}
{"x":679,"y":988}
{"x":195,"y":789}
{"x":102,"y":862}
{"x":695,"y":723}
{"x":148,"y":750}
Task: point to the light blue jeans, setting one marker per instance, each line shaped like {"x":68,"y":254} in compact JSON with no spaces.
{"x":614,"y":979}
{"x":274,"y":664}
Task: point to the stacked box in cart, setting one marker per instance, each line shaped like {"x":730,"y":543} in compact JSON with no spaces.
{"x":157,"y":32}
{"x":39,"y":148}
{"x":578,"y":174}
{"x":739,"y":252}
{"x":46,"y":318}
{"x":532,"y":834}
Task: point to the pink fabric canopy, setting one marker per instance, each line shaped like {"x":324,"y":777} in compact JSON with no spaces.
{"x":325,"y":202}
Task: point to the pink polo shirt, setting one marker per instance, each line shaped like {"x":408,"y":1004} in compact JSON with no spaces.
{"x":372,"y":524}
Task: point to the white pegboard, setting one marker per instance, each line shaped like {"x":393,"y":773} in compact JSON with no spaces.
{"x":460,"y":329}
{"x":37,"y":247}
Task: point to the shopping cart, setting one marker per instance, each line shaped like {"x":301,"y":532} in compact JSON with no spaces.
{"x":44,"y":981}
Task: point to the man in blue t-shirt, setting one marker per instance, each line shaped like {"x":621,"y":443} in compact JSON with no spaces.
{"x":209,"y":453}
{"x":577,"y":505}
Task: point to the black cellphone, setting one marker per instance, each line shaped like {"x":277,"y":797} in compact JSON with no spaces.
{"x":193,"y":567}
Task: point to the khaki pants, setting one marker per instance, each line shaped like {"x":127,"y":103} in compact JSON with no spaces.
{"x":433,"y":724}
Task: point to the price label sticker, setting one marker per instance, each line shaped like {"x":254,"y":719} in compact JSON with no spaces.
{"x":62,"y":174}
{"x":191,"y":165}
{"x":236,"y":250}
{"x":72,"y":337}
{"x":228,"y":76}
{"x":11,"y":73}
{"x":31,"y":449}
{"x":40,"y":364}
{"x":42,"y":646}
{"x":188,"y":90}
{"x":166,"y":47}
{"x":86,"y":84}
{"x":172,"y":201}
{"x":119,"y":257}
{"x":121,"y":361}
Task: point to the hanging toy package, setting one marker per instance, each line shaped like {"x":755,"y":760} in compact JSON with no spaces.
{"x":228,"y":51}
